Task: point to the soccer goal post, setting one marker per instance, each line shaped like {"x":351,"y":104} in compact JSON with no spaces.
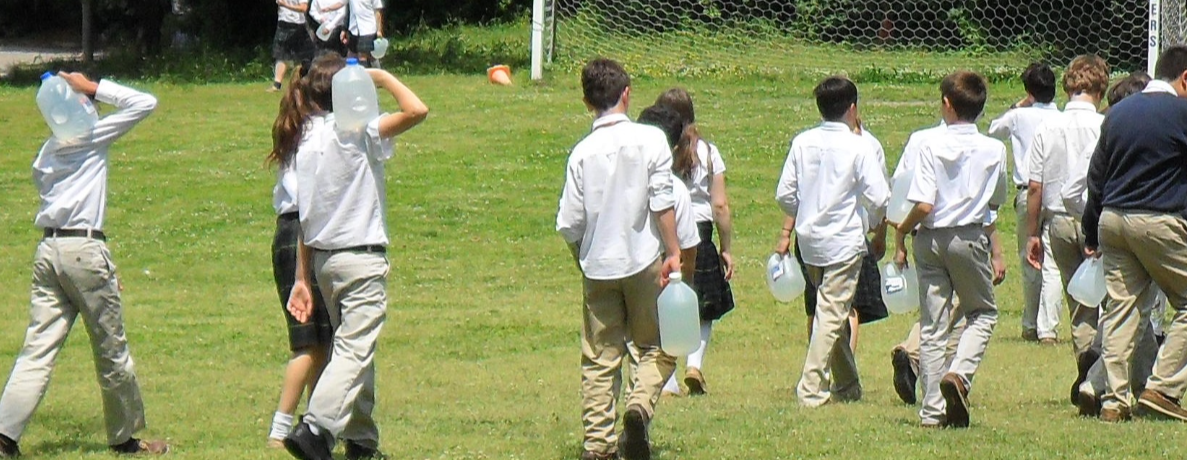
{"x":816,"y":37}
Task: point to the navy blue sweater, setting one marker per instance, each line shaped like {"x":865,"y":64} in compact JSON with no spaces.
{"x":1140,"y":162}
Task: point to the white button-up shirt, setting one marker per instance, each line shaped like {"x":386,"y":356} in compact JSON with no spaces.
{"x":616,"y":178}
{"x":686,"y":224}
{"x":1055,"y":148}
{"x":340,"y":193}
{"x":702,"y":203}
{"x":362,"y":17}
{"x":962,"y":174}
{"x":284,"y":194}
{"x":1075,"y":188}
{"x":1019,"y":126}
{"x":829,"y":174}
{"x":910,"y":157}
{"x":71,"y":176}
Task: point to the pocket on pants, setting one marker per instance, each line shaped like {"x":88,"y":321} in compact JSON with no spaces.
{"x":94,"y":270}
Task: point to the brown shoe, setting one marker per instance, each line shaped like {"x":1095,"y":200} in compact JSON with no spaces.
{"x":695,"y":382}
{"x":1088,"y":403}
{"x":587,"y":455}
{"x":274,"y":443}
{"x":956,"y":400}
{"x":141,"y":447}
{"x":1154,"y":404}
{"x":1049,"y":341}
{"x":1109,"y":415}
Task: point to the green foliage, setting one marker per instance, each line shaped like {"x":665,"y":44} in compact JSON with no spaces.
{"x":202,"y":65}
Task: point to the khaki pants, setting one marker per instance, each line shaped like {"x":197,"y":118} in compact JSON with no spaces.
{"x":911,"y":344}
{"x":1067,"y":247}
{"x":952,"y":263}
{"x":73,"y":276}
{"x":829,"y":355}
{"x":614,"y":311}
{"x":1041,"y":290}
{"x":354,"y":286}
{"x":1142,"y":250}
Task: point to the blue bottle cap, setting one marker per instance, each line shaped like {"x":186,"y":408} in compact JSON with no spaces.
{"x":352,"y":61}
{"x":47,"y":75}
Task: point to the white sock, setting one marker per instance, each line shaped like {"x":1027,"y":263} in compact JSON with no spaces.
{"x":697,"y":358}
{"x":672,"y":386}
{"x":313,"y":429}
{"x":282,"y":424}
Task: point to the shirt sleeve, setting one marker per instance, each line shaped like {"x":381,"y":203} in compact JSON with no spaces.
{"x":923,"y":183}
{"x":378,"y":147}
{"x":787,"y":192}
{"x":1000,"y":193}
{"x":659,"y":182}
{"x":715,"y":160}
{"x":570,"y":218}
{"x":1097,"y":169}
{"x":1001,"y":127}
{"x":875,"y":191}
{"x":686,"y":225}
{"x":132,"y":108}
{"x":1036,"y":157}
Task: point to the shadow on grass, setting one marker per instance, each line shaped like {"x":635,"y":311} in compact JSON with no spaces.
{"x":65,"y":446}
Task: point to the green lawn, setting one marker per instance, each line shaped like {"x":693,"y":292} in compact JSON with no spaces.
{"x":479,"y":359}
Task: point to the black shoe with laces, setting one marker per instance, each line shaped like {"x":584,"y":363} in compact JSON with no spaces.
{"x":9,"y":448}
{"x":633,"y":443}
{"x":356,"y":451}
{"x":904,"y":376}
{"x":305,"y":445}
{"x":1084,"y":364}
{"x":135,"y":446}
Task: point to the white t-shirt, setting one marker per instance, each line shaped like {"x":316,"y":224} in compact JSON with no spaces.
{"x":341,"y":194}
{"x":362,"y":17}
{"x":1055,"y":148}
{"x":686,"y":226}
{"x":1019,"y":126}
{"x":961,"y":173}
{"x":288,"y":15}
{"x":829,"y":174}
{"x":698,"y":186}
{"x":616,"y":178}
{"x":71,"y":176}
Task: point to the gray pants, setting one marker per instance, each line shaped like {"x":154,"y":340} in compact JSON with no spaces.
{"x":73,"y":276}
{"x":952,"y":263}
{"x":354,"y":285}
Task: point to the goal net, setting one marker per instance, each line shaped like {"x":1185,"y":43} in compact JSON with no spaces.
{"x":891,"y":38}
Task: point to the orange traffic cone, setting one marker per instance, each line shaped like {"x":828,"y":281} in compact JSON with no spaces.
{"x":499,"y":75}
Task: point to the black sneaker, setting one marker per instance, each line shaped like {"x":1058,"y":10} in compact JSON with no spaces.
{"x":1084,"y":363}
{"x":904,"y":376}
{"x":9,"y":448}
{"x":633,"y":444}
{"x":135,"y":446}
{"x":305,"y":445}
{"x":356,"y":451}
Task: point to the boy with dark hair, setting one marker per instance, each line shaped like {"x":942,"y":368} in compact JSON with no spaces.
{"x":1136,"y":218}
{"x":829,"y":175}
{"x":617,"y":223}
{"x":959,"y":180}
{"x":1041,"y":291}
{"x":1054,"y":232}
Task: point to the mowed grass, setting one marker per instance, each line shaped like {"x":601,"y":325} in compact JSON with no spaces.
{"x":479,"y":357}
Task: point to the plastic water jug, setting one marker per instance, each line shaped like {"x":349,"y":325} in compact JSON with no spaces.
{"x":679,"y":318}
{"x":1087,"y":285}
{"x":784,"y":277}
{"x":69,"y":115}
{"x":380,"y":48}
{"x":899,"y":206}
{"x":355,"y":100}
{"x":900,"y":289}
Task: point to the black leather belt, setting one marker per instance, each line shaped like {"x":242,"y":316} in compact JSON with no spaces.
{"x":375,"y":248}
{"x":75,"y":233}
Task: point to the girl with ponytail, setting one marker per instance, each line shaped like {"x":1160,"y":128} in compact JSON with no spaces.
{"x":699,"y":165}
{"x":308,"y":96}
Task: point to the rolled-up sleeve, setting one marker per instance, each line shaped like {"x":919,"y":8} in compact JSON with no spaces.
{"x":787,"y":192}
{"x":570,"y":217}
{"x":378,"y":147}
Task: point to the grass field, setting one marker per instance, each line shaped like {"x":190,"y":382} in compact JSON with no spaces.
{"x":479,"y":359}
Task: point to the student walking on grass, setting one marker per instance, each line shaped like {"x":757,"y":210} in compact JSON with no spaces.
{"x":1136,"y":220}
{"x":616,"y":214}
{"x":340,"y":198}
{"x":699,"y":165}
{"x":959,"y":179}
{"x":309,"y":342}
{"x":830,"y":174}
{"x":1041,"y":292}
{"x":73,"y":275}
{"x":291,"y":43}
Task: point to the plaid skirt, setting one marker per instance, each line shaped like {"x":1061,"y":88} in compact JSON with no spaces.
{"x":868,"y":298}
{"x":709,"y":282}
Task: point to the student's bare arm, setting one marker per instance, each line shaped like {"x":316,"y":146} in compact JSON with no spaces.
{"x":724,"y":222}
{"x":1034,"y":207}
{"x":300,"y":303}
{"x":379,"y":22}
{"x":412,"y":110}
{"x":920,"y":211}
{"x":667,"y":233}
{"x":995,"y":248}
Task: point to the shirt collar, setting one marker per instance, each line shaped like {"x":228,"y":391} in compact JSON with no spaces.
{"x":963,"y":128}
{"x":1045,"y":105}
{"x":1159,"y":86}
{"x":606,"y":120}
{"x":835,"y":126}
{"x":1079,"y":105}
